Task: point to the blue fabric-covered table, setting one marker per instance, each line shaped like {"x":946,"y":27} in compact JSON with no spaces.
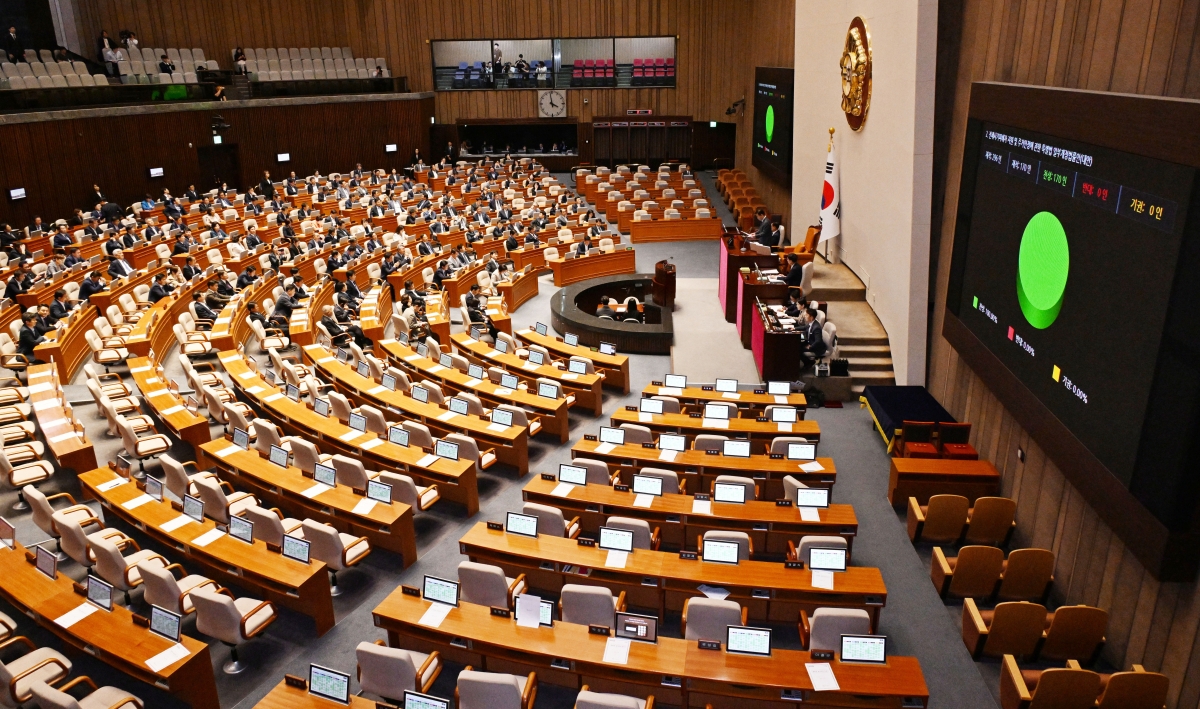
{"x":891,"y":406}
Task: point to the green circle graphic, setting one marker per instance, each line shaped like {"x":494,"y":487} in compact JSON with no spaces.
{"x":770,"y":123}
{"x":1042,"y":268}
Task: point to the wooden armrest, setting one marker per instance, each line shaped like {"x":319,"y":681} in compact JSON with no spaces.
{"x":1073,"y":665}
{"x":433,"y":657}
{"x":77,"y":680}
{"x":574,"y":523}
{"x":792,"y":554}
{"x":130,"y":568}
{"x":125,"y":542}
{"x":683,"y":487}
{"x":530,"y":694}
{"x":61,"y":495}
{"x":347,"y":547}
{"x":974,"y":630}
{"x":1010,"y":677}
{"x":804,"y":627}
{"x":915,"y":519}
{"x":621,"y":602}
{"x":518,"y":581}
{"x":12,"y":685}
{"x":224,"y":485}
{"x":655,"y":540}
{"x":204,"y":366}
{"x":277,"y":512}
{"x":20,"y":638}
{"x":169,"y":567}
{"x":940,"y":572}
{"x":256,"y":609}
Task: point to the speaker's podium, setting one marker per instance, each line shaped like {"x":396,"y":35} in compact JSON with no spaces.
{"x":663,"y":285}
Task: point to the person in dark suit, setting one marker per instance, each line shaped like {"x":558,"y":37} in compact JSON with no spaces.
{"x":59,"y":310}
{"x":191,"y":194}
{"x":814,"y":346}
{"x":203,"y":312}
{"x":190,"y":269}
{"x":797,"y":303}
{"x":44,"y":322}
{"x":14,"y":48}
{"x":266,"y":188}
{"x":118,"y":267}
{"x":61,"y":238}
{"x":91,"y":285}
{"x":284,"y":307}
{"x":337,"y":335}
{"x":605,"y":309}
{"x":424,"y":248}
{"x":795,"y":274}
{"x":104,"y":44}
{"x":29,"y":337}
{"x":416,"y":296}
{"x":247,"y":278}
{"x":111,"y":211}
{"x":511,"y":243}
{"x":762,"y":225}
{"x":442,"y":273}
{"x":298,"y":281}
{"x":161,"y":289}
{"x":773,"y":236}
{"x":581,"y":249}
{"x":72,"y":257}
{"x":129,"y":238}
{"x":19,"y":282}
{"x":254,"y":315}
{"x":531,"y":238}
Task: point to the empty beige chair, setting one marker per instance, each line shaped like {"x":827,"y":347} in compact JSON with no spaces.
{"x":551,"y":521}
{"x":709,"y":442}
{"x":406,"y":490}
{"x":707,"y":618}
{"x":822,"y":632}
{"x":142,"y":447}
{"x":587,"y":699}
{"x":636,"y":434}
{"x":78,"y":544}
{"x":1075,"y":633}
{"x":1027,"y":575}
{"x":974,"y":573}
{"x":991,"y":521}
{"x":487,"y":585}
{"x":21,"y":476}
{"x":270,"y":525}
{"x":468,"y":449}
{"x":230,"y":620}
{"x":490,"y":690}
{"x":37,"y":666}
{"x":418,"y":434}
{"x":747,"y":484}
{"x":1058,"y":688}
{"x":119,"y":570}
{"x":643,"y":536}
{"x":352,"y":473}
{"x":597,"y":471}
{"x":590,"y":605}
{"x":178,"y":480}
{"x":803,"y":551}
{"x":338,"y":551}
{"x":1011,"y":629}
{"x":161,"y":588}
{"x":745,"y":544}
{"x":48,"y":697}
{"x":43,"y":513}
{"x":389,"y":672}
{"x":671,"y":484}
{"x":670,"y":403}
{"x":219,"y":506}
{"x":941,"y":521}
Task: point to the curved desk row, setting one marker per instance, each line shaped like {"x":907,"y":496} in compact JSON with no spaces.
{"x":760,"y":432}
{"x":167,"y":404}
{"x":676,"y":230}
{"x":614,"y":366}
{"x":581,"y":268}
{"x":64,"y":435}
{"x":752,"y":400}
{"x":519,"y":290}
{"x":585,"y":387}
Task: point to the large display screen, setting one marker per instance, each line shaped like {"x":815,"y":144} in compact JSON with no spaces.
{"x":772,"y":149}
{"x":1069,"y":263}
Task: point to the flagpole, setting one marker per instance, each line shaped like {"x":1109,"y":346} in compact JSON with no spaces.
{"x":828,"y":150}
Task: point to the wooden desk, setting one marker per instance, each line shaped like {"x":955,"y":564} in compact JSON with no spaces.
{"x":615,"y":367}
{"x":511,"y":444}
{"x":757,"y":431}
{"x":519,"y":290}
{"x":529,"y":256}
{"x":110,"y":637}
{"x":460,"y":283}
{"x":153,"y":331}
{"x":471,"y":635}
{"x":552,"y":412}
{"x":68,"y":348}
{"x":750,"y":286}
{"x":456,"y":479}
{"x":285,"y":697}
{"x":582,"y":268}
{"x":662,"y":581}
{"x":924,"y":477}
{"x":769,"y":526}
{"x":732,"y":259}
{"x":69,"y":446}
{"x":699,"y":396}
{"x":302,"y":587}
{"x":584,"y":387}
{"x":386,"y":526}
{"x":168,"y":406}
{"x":700,"y":469}
{"x":676,"y":230}
{"x":777,"y":352}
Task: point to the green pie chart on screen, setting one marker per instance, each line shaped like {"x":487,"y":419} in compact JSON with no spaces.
{"x":1042,"y":268}
{"x":770,"y":123}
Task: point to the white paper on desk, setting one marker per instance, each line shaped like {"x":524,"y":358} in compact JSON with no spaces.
{"x":274,"y":397}
{"x":473,"y":382}
{"x":569,"y":376}
{"x":228,"y":451}
{"x":412,"y":358}
{"x":605,"y":448}
{"x":714,"y":592}
{"x":503,"y":391}
{"x":388,"y":341}
{"x":781,"y":399}
{"x":227,"y":360}
{"x":364,"y":507}
{"x":731,"y":395}
{"x":323,"y":360}
{"x":616,"y":559}
{"x":492,"y":354}
{"x":254,"y":390}
{"x":643,"y":501}
{"x":64,"y":437}
{"x":435,"y":614}
{"x":46,"y":404}
{"x":55,"y":422}
{"x":436,"y":368}
{"x":137,"y":502}
{"x":172,"y":410}
{"x":76,"y":614}
{"x":714,"y":423}
{"x":349,"y":435}
{"x":668,"y":456}
{"x":670,"y":391}
{"x":810,"y":514}
{"x":246,"y":375}
{"x":529,"y":365}
{"x":529,"y":610}
{"x":152,"y":380}
{"x":39,"y":388}
{"x":315,"y":490}
{"x":784,"y":427}
{"x":616,"y":651}
{"x":562,"y":490}
{"x":158,"y":392}
{"x":701,"y":507}
{"x":49,"y":373}
{"x":812,"y":467}
{"x":172,"y":525}
{"x":207,"y":538}
{"x":167,"y":657}
{"x":822,"y":579}
{"x":377,"y":390}
{"x":221,"y":321}
{"x":106,"y":486}
{"x":427,"y":461}
{"x":368,"y":445}
{"x":448,"y":415}
{"x":469,"y":341}
{"x":497,"y":427}
{"x":821,"y":676}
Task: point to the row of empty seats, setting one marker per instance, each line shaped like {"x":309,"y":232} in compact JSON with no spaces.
{"x":297,"y":53}
{"x":50,"y":75}
{"x":154,"y":56}
{"x":309,"y":69}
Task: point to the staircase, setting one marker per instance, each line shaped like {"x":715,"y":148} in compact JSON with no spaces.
{"x":861,"y":338}
{"x":240,"y":91}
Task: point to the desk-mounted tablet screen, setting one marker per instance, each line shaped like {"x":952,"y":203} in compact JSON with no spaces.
{"x":748,"y":641}
{"x":295,"y":548}
{"x":783,"y":414}
{"x":572,"y":474}
{"x":46,"y":562}
{"x":241,"y":439}
{"x":826,"y":559}
{"x":735,"y":449}
{"x":402,"y":337}
{"x":672,"y":442}
{"x":293,"y":392}
{"x":194,"y":508}
{"x":716,"y":411}
{"x":329,"y":684}
{"x":540,"y":328}
{"x":358,"y":422}
{"x":616,"y":436}
{"x":412,"y":700}
{"x":577,"y":366}
{"x":321,"y":406}
{"x":571,"y":339}
{"x":446,"y":362}
{"x":99,"y":593}
{"x":397,"y":435}
{"x":812,"y":497}
{"x":363,"y":369}
{"x":154,"y":488}
{"x":864,"y":648}
{"x":675,"y":381}
{"x":524,"y":525}
{"x":423,"y":349}
{"x":549,"y":391}
{"x":643,"y":628}
{"x":379,"y":492}
{"x":607,"y":348}
{"x":325,"y":474}
{"x":474,"y":371}
{"x":802,"y":451}
{"x":729,"y":492}
{"x":501,"y":346}
{"x":721,"y":552}
{"x":647,"y":485}
{"x":241,"y":528}
{"x":446,"y":449}
{"x":726,"y":385}
{"x":165,"y":623}
{"x":342,"y":355}
{"x":388,"y":382}
{"x":440,"y":590}
{"x":615,"y":539}
{"x":779,"y":388}
{"x":459,"y":406}
{"x":279,"y":456}
{"x":421,"y":394}
{"x":509,"y":381}
{"x":500,"y":417}
{"x":537,"y":357}
{"x":650,"y":406}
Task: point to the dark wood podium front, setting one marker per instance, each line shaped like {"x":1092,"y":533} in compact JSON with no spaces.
{"x":663,"y":286}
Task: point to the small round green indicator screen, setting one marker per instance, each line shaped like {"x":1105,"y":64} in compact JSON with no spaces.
{"x":770,"y":123}
{"x":1042,"y":268}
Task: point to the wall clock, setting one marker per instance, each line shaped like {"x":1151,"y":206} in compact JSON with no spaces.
{"x":552,"y":104}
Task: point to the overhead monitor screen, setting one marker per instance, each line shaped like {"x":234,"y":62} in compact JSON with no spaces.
{"x":772,"y":145}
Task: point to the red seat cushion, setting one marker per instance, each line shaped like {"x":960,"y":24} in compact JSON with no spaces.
{"x":919,"y":450}
{"x":959,"y":451}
